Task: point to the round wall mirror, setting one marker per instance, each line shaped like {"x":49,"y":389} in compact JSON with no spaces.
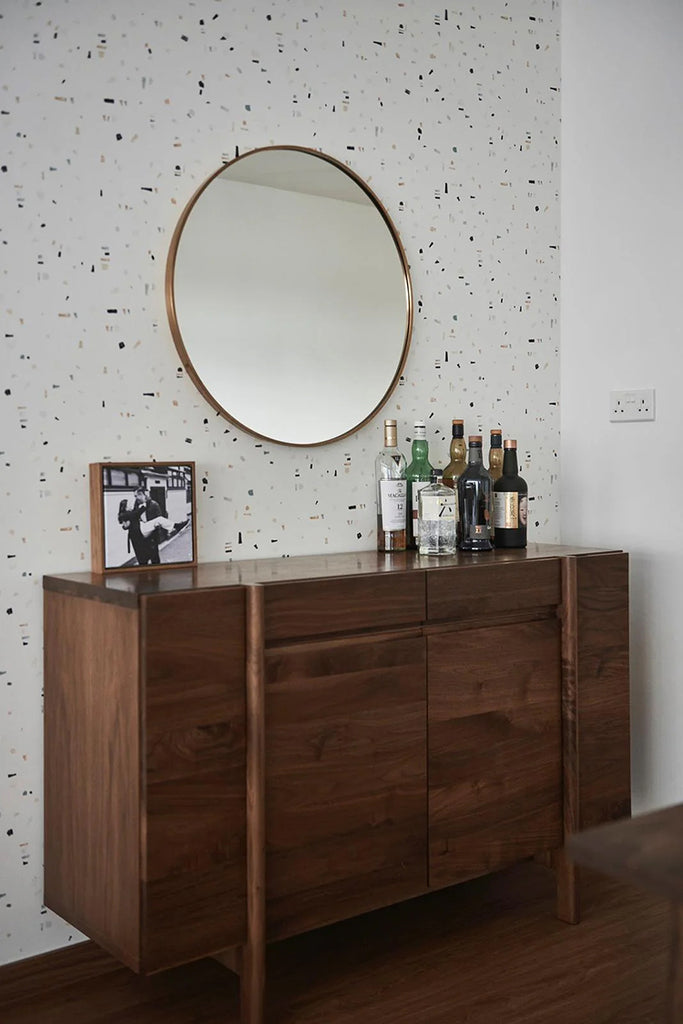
{"x":289,"y":296}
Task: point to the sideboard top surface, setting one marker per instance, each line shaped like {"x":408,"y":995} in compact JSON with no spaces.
{"x":127,"y":587}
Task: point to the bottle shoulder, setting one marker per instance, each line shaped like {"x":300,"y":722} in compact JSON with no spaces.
{"x":389,"y":462}
{"x":511,"y":482}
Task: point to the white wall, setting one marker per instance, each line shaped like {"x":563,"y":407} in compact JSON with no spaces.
{"x":111,"y":115}
{"x":622,"y":267}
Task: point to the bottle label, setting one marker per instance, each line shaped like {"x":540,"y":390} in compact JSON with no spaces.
{"x":437,"y":506}
{"x":393,"y":495}
{"x":509,"y":510}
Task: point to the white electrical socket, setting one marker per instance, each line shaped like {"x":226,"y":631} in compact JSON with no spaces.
{"x":632,"y":405}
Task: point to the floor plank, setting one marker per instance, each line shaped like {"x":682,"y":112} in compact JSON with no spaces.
{"x":484,"y":952}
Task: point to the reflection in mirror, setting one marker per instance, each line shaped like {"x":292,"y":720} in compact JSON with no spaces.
{"x":289,"y":296}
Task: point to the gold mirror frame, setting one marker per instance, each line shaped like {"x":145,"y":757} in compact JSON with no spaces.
{"x":187,"y":346}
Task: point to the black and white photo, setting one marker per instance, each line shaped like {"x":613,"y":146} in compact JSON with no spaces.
{"x":143,"y":515}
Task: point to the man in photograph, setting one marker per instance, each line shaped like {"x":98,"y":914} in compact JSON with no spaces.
{"x":146,"y":548}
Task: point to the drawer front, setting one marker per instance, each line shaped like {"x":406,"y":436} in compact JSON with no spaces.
{"x":344,"y":605}
{"x":482,"y":590}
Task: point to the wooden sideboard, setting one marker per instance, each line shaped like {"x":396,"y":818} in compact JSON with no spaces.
{"x":241,"y":751}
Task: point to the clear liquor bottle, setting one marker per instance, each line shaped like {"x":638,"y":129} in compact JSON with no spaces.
{"x":390,"y":478}
{"x":510,"y":502}
{"x":437,"y":517}
{"x":496,"y":454}
{"x":475,"y":500}
{"x":418,"y":475}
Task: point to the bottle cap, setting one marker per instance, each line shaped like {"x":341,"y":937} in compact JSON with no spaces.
{"x":420,"y":430}
{"x":496,"y":438}
{"x":390,"y":423}
{"x":510,"y":444}
{"x":474,"y":439}
{"x":458,"y":428}
{"x":437,"y":474}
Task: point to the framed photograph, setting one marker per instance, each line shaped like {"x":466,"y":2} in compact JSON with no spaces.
{"x":142,"y":515}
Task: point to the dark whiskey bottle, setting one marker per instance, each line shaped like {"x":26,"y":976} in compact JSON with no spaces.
{"x":510,"y":501}
{"x":475,"y":501}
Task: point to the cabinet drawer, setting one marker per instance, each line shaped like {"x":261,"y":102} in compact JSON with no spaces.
{"x":483,"y":590}
{"x":344,"y":605}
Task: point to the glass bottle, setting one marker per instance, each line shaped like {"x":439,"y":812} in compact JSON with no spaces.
{"x":437,"y":517}
{"x":475,"y":494}
{"x":510,"y":503}
{"x":496,"y":454}
{"x":458,"y":455}
{"x":390,"y":477}
{"x":418,"y":475}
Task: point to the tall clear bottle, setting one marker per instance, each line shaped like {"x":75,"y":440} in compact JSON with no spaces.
{"x":418,"y":475}
{"x":510,"y":500}
{"x":437,"y":517}
{"x":475,"y":500}
{"x":390,"y":477}
{"x":496,"y":454}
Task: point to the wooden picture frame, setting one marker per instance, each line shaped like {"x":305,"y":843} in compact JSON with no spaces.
{"x":142,"y":515}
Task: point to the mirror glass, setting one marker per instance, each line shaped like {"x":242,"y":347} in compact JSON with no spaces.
{"x":289,"y":296}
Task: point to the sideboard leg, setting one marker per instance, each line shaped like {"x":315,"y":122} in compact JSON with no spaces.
{"x":567,"y":881}
{"x":253,"y":977}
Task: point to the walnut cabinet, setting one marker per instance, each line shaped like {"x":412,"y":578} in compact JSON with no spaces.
{"x":238,"y":752}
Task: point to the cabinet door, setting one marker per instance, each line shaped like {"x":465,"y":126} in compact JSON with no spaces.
{"x":345,"y":779}
{"x":193,"y":858}
{"x":495,"y":764}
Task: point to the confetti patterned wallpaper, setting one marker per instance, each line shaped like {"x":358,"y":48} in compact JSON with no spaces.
{"x":111,"y":115}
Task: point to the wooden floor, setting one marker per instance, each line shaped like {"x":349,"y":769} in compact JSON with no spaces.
{"x":484,"y":952}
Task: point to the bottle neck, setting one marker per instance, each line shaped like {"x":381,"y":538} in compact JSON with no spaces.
{"x":474,"y":455}
{"x":510,"y":467}
{"x":390,"y":437}
{"x":420,"y":451}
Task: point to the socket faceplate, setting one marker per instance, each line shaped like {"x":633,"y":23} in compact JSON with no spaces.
{"x":632,"y":405}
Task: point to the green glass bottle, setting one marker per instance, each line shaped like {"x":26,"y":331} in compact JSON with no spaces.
{"x":418,"y":475}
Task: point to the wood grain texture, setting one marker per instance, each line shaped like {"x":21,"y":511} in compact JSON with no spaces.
{"x":494,"y":748}
{"x":369,"y":797}
{"x":92,"y":771}
{"x":484,"y":589}
{"x":647,"y":852}
{"x":347,"y":605}
{"x":290,"y":570}
{"x":486,"y":952}
{"x":601,"y":689}
{"x":674,"y":981}
{"x":193,"y":859}
{"x":96,"y":518}
{"x":345,"y":779}
{"x":253,"y":956}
